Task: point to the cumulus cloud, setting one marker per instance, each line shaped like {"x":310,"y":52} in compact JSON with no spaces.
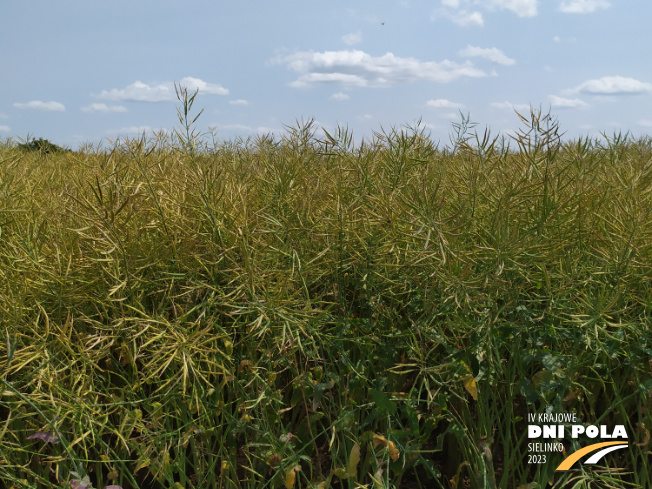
{"x":5,"y":129}
{"x":163,"y":92}
{"x":566,"y":103}
{"x":239,"y":102}
{"x":582,"y":6}
{"x":38,"y":105}
{"x":204,"y":87}
{"x":339,"y":96}
{"x":464,"y":18}
{"x":351,"y":39}
{"x":442,"y":103}
{"x":103,"y":108}
{"x":492,"y":54}
{"x":355,"y":68}
{"x":455,"y":11}
{"x":510,"y":106}
{"x":463,"y":13}
{"x":613,"y":85}
{"x":522,"y":8}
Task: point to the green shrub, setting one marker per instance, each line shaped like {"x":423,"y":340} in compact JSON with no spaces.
{"x":42,"y":146}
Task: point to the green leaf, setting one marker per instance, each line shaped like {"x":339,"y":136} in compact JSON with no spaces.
{"x":383,"y":402}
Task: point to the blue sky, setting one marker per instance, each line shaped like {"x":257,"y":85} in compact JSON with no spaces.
{"x":84,"y":71}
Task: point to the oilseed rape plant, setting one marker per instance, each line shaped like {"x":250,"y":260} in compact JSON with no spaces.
{"x":305,"y":311}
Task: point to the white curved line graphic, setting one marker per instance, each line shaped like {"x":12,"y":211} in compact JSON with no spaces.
{"x":596,"y":457}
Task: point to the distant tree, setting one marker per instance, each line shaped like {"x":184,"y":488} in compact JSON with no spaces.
{"x":42,"y":146}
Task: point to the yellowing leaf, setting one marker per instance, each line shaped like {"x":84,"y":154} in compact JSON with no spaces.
{"x":380,"y":441}
{"x":456,"y":478}
{"x":224,"y":467}
{"x":142,"y":464}
{"x":393,"y":451}
{"x":470,"y":386}
{"x":354,"y":459}
{"x":541,"y":376}
{"x":290,"y":477}
{"x":165,"y":459}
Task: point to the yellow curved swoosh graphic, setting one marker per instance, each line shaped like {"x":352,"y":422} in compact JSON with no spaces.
{"x":568,"y":463}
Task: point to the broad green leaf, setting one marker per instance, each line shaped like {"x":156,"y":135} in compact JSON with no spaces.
{"x":382,"y":401}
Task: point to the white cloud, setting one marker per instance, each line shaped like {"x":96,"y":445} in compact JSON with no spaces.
{"x":329,"y":78}
{"x":461,"y":16}
{"x":163,"y":92}
{"x":134,"y":130}
{"x":582,"y":6}
{"x":358,"y":69}
{"x":465,"y":19}
{"x":642,"y":122}
{"x":239,"y":102}
{"x":565,"y":39}
{"x":351,"y":39}
{"x":103,"y":108}
{"x":248,"y":129}
{"x":561,"y":102}
{"x":193,"y":84}
{"x":492,"y":54}
{"x":509,"y":106}
{"x":268,"y":130}
{"x":613,"y":85}
{"x":462,"y":12}
{"x":522,"y":8}
{"x":5,"y":129}
{"x":442,"y":103}
{"x":339,"y":96}
{"x":502,"y":105}
{"x":38,"y":105}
